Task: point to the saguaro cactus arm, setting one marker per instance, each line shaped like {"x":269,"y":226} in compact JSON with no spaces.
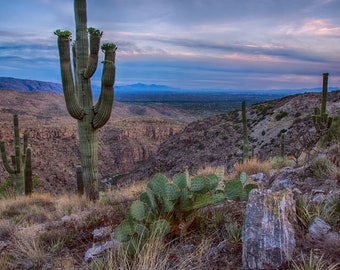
{"x":103,"y":108}
{"x":4,"y":159}
{"x":72,"y":104}
{"x":95,"y":36}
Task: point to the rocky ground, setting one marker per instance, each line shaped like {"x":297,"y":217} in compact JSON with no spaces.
{"x":56,"y":232}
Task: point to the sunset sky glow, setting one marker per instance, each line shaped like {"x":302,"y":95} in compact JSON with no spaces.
{"x":191,"y":44}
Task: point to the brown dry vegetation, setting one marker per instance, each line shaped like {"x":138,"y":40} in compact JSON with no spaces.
{"x":54,"y":232}
{"x":48,"y":231}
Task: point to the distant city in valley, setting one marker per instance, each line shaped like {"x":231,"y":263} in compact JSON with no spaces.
{"x":205,"y":102}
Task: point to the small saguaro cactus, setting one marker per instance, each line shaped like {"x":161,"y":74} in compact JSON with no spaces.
{"x":322,"y":122}
{"x":78,"y":92}
{"x":21,"y":170}
{"x":245,"y":132}
{"x":282,"y":146}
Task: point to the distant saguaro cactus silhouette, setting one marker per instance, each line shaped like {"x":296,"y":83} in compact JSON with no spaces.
{"x":322,"y":122}
{"x":245,"y":132}
{"x":21,"y":170}
{"x":78,"y":92}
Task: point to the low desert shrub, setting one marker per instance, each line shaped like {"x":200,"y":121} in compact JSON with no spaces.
{"x":328,"y":210}
{"x":321,"y":169}
{"x":279,"y":162}
{"x":332,"y":135}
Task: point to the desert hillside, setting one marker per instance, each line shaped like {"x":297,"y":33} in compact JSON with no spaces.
{"x":133,"y":134}
{"x":217,"y":141}
{"x":139,"y":140}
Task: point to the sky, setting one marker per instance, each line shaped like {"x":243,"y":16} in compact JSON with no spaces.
{"x":190,"y":44}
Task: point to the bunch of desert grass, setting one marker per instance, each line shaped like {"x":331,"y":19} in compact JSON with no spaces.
{"x":27,"y":210}
{"x":328,"y":210}
{"x":252,"y":166}
{"x":322,"y":168}
{"x":314,"y":262}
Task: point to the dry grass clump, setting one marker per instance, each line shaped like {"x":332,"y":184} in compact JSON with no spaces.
{"x":28,"y":252}
{"x":123,"y":193}
{"x":68,"y":204}
{"x":6,"y":230}
{"x":154,"y":255}
{"x":209,"y":170}
{"x":252,"y":166}
{"x":322,"y":168}
{"x":30,"y":210}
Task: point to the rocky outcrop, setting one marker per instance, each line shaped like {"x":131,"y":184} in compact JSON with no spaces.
{"x":269,"y":236}
{"x":52,"y":133}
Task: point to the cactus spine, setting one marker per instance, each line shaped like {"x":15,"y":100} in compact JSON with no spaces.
{"x":245,"y":132}
{"x":21,"y":172}
{"x":78,"y":92}
{"x":322,"y":122}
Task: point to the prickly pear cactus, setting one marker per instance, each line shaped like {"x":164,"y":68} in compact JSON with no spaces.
{"x":236,"y":189}
{"x":167,"y":206}
{"x":172,"y":205}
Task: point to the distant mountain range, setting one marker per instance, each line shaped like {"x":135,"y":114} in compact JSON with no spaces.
{"x":25,"y":85}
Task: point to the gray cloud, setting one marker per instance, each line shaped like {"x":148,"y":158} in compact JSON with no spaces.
{"x":185,"y":42}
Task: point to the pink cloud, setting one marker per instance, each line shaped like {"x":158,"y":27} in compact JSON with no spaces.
{"x":313,"y":27}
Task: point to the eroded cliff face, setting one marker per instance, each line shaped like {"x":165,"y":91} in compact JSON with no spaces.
{"x":127,"y":139}
{"x":122,"y":145}
{"x":126,"y":143}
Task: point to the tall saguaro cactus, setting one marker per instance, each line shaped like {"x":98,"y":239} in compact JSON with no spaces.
{"x":78,"y":92}
{"x":245,"y":132}
{"x":21,"y":170}
{"x":321,"y":120}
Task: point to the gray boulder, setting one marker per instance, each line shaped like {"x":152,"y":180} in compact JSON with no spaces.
{"x":268,"y":233}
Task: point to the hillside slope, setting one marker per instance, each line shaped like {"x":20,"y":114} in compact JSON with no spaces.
{"x":133,"y":134}
{"x":217,"y":141}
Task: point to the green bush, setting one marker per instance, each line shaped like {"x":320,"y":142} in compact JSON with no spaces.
{"x":278,"y":162}
{"x":7,"y":188}
{"x":332,"y":136}
{"x":280,"y":115}
{"x":321,"y":169}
